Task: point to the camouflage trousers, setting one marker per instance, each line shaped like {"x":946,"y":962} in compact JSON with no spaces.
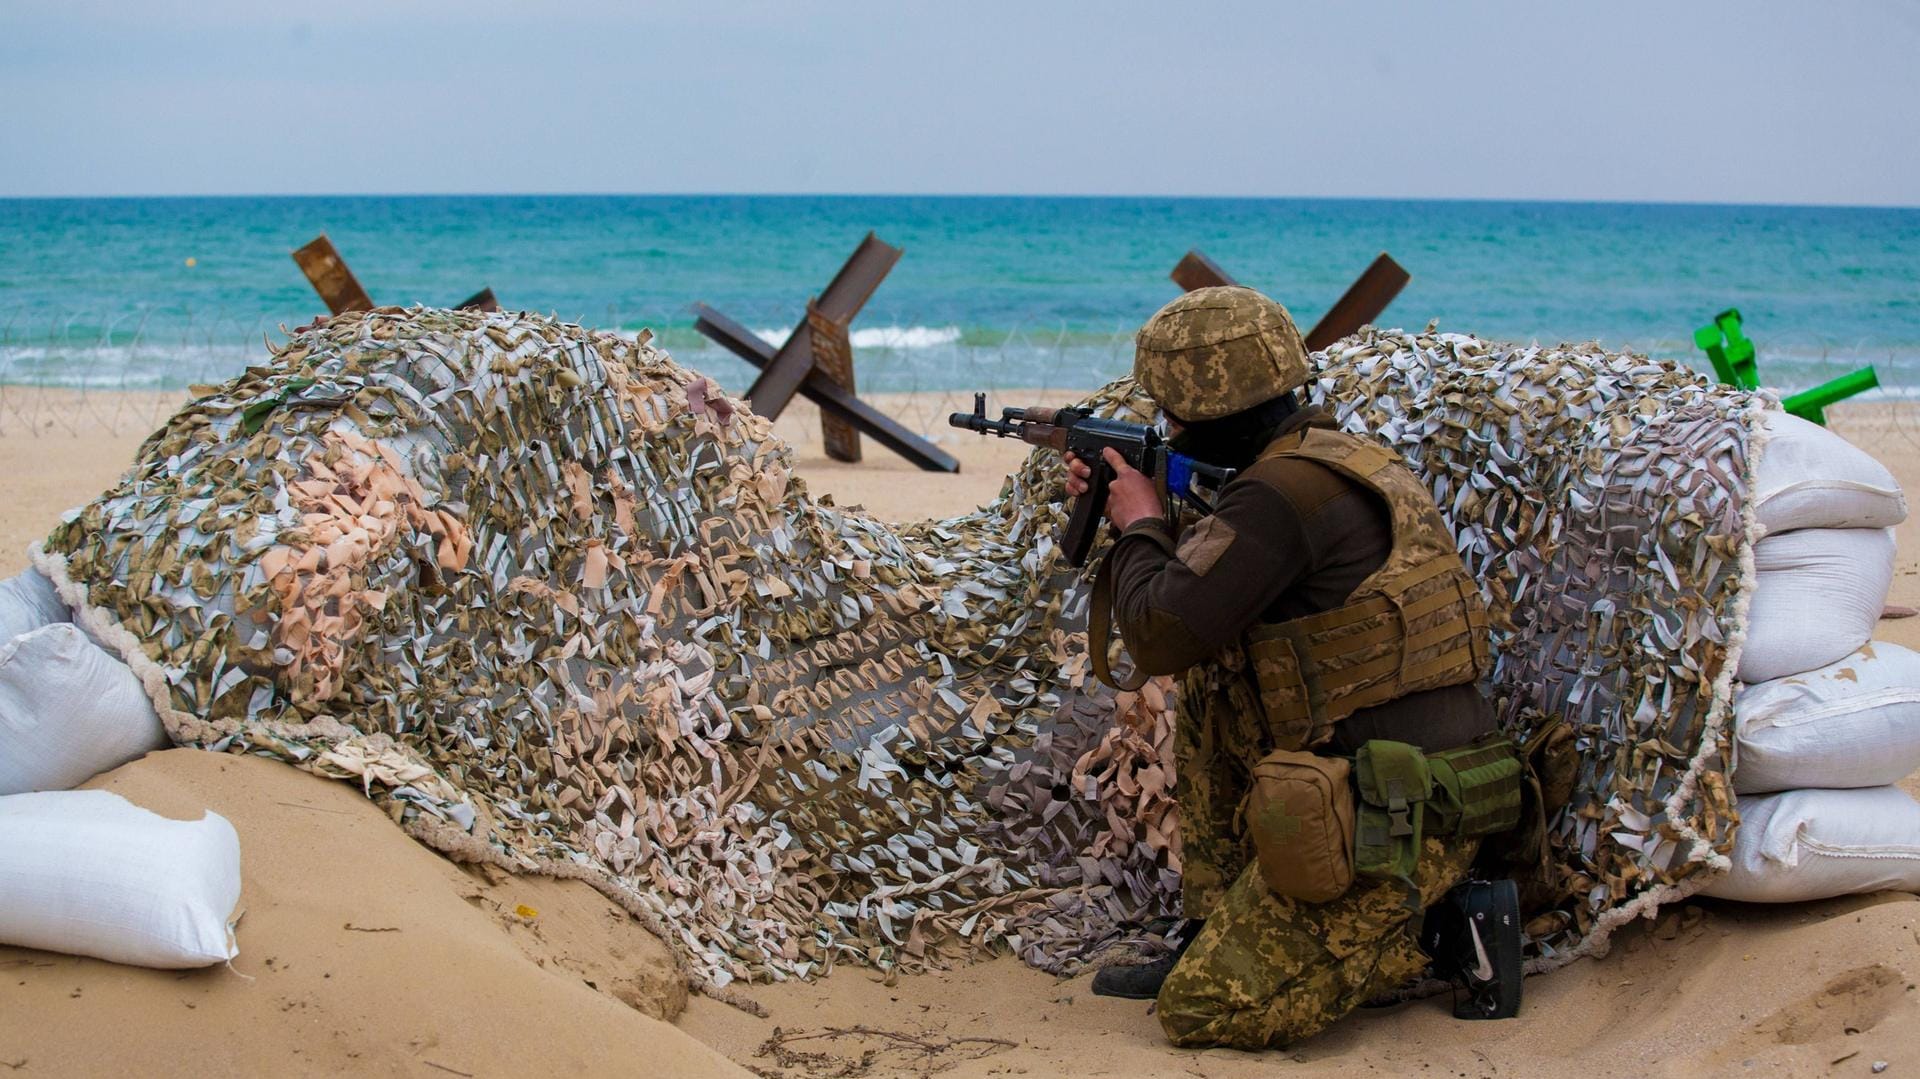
{"x":1267,"y":971}
{"x":1217,"y":740}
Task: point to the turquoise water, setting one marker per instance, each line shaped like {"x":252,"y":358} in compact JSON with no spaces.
{"x":992,"y":291}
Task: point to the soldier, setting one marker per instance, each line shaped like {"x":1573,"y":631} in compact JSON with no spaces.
{"x":1321,"y":606}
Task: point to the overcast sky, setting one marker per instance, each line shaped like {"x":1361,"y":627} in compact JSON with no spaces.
{"x":1757,"y":101}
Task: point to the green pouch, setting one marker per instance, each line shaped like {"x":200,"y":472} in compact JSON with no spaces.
{"x":1549,"y":763}
{"x":1476,"y":789}
{"x":1394,"y":782}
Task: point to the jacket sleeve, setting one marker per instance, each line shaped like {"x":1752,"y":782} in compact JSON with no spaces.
{"x":1176,"y":605}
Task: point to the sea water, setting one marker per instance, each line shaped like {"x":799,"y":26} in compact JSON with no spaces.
{"x":992,"y":292}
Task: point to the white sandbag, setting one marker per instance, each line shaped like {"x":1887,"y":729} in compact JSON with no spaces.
{"x":1816,"y":597}
{"x":1853,"y":723}
{"x":68,"y":711}
{"x":1812,"y":844}
{"x":90,"y":873}
{"x":1809,"y":477}
{"x":27,"y":602}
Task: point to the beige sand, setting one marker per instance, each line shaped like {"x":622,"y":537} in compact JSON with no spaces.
{"x":356,"y":953}
{"x":438,"y":976}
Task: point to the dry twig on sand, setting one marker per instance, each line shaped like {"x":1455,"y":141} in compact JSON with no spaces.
{"x":925,"y":1053}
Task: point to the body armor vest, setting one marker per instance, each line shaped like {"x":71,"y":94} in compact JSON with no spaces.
{"x":1414,"y":624}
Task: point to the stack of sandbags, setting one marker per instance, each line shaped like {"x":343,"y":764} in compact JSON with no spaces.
{"x":1826,"y":720}
{"x":86,"y":872}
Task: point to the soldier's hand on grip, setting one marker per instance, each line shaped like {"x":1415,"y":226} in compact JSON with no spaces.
{"x":1079,"y":476}
{"x":1131,"y":496}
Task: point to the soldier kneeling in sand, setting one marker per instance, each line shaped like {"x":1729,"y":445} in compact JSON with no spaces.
{"x":1331,"y":642}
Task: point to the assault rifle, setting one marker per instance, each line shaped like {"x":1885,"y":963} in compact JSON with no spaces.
{"x":1079,"y":432}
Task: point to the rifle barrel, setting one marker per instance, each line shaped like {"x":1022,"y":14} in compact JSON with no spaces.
{"x":972,"y":421}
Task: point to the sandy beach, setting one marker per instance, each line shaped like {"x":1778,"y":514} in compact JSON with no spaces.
{"x":363,"y":951}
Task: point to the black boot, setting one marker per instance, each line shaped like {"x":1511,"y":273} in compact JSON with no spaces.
{"x":1142,"y":981}
{"x":1473,"y":937}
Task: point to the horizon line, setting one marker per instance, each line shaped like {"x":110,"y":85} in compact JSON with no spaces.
{"x":1541,"y":201}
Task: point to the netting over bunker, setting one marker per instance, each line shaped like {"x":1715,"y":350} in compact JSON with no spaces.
{"x":557,"y":602}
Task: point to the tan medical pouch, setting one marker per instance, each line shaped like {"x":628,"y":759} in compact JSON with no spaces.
{"x":1299,"y":814}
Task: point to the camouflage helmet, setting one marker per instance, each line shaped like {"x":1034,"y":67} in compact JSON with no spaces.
{"x":1215,"y":351}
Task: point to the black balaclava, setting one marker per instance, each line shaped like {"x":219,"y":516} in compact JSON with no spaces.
{"x":1234,"y":440}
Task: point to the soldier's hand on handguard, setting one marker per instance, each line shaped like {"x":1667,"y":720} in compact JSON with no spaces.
{"x":1130,"y":494}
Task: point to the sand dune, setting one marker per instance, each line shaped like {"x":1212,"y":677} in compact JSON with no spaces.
{"x":363,"y":951}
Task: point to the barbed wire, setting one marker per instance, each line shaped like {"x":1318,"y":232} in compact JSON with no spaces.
{"x":72,"y":373}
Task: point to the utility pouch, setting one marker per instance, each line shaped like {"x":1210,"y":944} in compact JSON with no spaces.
{"x":1393,"y":783}
{"x":1300,"y":815}
{"x":1550,"y":764}
{"x":1476,"y":788}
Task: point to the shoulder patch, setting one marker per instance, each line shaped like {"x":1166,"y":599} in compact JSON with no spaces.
{"x":1306,"y":483}
{"x":1204,"y":543}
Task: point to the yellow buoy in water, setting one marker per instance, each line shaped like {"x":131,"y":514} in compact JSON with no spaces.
{"x":192,"y":262}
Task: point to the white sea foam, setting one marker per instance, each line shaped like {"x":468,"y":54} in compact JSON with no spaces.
{"x":882,"y":336}
{"x":930,"y":357}
{"x":143,"y":366}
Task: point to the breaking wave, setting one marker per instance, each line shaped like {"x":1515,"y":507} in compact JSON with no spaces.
{"x":902,"y":337}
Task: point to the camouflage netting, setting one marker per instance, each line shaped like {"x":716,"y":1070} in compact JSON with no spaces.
{"x":556,"y":603}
